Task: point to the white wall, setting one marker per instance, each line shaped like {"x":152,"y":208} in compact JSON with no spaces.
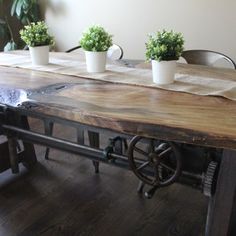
{"x":206,"y":24}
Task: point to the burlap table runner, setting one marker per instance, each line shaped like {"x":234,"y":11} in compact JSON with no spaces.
{"x":194,"y":84}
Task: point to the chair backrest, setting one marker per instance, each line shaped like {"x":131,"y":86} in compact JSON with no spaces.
{"x":205,"y":57}
{"x":115,"y":52}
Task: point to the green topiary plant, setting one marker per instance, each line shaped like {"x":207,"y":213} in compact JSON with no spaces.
{"x":36,"y":34}
{"x":96,"y":39}
{"x":164,"y":46}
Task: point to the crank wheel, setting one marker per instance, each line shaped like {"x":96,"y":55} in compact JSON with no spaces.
{"x":155,"y":162}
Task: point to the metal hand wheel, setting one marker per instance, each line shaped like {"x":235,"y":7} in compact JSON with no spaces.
{"x":155,"y":162}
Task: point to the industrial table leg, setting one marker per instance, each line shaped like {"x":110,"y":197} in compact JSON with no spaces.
{"x":48,"y":126}
{"x":94,"y":142}
{"x":12,"y":145}
{"x":30,"y":158}
{"x":222,"y":206}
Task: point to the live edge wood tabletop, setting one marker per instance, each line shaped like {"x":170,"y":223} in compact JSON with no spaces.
{"x":139,"y":110}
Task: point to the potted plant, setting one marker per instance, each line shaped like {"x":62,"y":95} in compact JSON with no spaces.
{"x":36,"y":36}
{"x":164,"y":48}
{"x":96,"y":41}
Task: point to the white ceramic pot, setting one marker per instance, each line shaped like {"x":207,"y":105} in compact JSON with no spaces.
{"x":39,"y":55}
{"x":163,"y":72}
{"x":96,"y":61}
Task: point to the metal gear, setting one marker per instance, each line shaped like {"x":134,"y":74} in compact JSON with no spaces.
{"x":210,"y":179}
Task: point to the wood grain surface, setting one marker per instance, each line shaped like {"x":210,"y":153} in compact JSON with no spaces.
{"x":130,"y":109}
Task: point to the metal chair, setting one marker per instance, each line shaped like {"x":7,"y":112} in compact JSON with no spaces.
{"x":206,"y":57}
{"x":115,"y":52}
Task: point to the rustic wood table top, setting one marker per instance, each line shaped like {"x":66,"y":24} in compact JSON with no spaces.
{"x":130,"y":109}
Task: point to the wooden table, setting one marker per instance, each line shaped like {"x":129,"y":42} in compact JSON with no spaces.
{"x":135,"y":110}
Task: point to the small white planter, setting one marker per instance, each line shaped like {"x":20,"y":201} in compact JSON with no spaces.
{"x":163,"y":72}
{"x":96,"y":61}
{"x":39,"y":55}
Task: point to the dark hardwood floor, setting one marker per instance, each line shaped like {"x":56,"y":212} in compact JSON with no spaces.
{"x":63,"y":196}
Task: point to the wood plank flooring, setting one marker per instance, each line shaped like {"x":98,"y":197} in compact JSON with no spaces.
{"x":63,"y":196}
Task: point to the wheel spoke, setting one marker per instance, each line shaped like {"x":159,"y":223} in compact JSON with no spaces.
{"x":140,"y":160}
{"x":156,"y":179}
{"x":143,"y":165}
{"x":167,"y":167}
{"x":141,"y":151}
{"x":151,"y":146}
{"x":162,"y":154}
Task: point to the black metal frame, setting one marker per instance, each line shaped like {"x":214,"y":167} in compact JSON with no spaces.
{"x":13,"y":128}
